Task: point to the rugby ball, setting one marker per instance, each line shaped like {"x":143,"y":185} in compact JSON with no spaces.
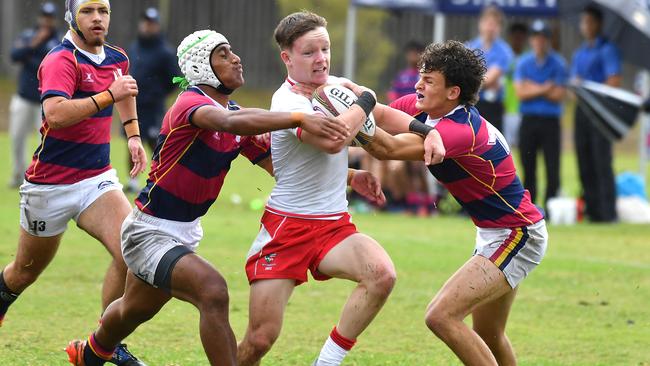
{"x":332,"y":100}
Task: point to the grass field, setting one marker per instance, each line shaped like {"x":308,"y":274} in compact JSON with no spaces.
{"x":587,"y":304}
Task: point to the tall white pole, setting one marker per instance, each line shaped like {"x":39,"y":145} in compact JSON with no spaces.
{"x":439,"y":21}
{"x":350,"y":36}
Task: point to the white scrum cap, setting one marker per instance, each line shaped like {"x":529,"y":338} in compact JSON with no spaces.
{"x":194,"y":57}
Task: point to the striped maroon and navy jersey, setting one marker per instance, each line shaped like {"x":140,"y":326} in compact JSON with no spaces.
{"x":71,"y":154}
{"x":406,"y":104}
{"x":478,"y":169}
{"x":190,"y":164}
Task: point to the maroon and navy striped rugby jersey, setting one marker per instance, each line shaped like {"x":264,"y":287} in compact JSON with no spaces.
{"x":190,"y":164}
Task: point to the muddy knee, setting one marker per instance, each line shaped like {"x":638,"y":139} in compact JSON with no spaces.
{"x":381,"y":281}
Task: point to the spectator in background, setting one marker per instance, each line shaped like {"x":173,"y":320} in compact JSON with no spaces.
{"x":25,"y":108}
{"x":596,"y":60}
{"x":498,"y":56}
{"x":405,"y":183}
{"x":540,"y":82}
{"x":518,"y":40}
{"x":404,"y":82}
{"x":153,"y":65}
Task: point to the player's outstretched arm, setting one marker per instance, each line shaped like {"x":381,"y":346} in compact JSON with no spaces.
{"x":352,"y":118}
{"x":405,"y":146}
{"x":61,"y":112}
{"x":389,"y":119}
{"x":254,"y":121}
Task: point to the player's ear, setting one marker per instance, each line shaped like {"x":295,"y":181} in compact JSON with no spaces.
{"x":453,"y":92}
{"x":286,"y":58}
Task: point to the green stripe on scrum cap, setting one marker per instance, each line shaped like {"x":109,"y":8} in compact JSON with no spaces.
{"x":194,"y":44}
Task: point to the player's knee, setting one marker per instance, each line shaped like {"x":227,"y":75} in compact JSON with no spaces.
{"x":262,"y":339}
{"x":437,"y":319}
{"x":382,"y":280}
{"x":214,"y":297}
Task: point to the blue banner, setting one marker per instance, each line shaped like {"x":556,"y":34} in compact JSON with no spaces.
{"x":426,"y":5}
{"x":514,"y":7}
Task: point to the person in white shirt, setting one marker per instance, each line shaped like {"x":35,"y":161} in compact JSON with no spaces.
{"x":306,"y":225}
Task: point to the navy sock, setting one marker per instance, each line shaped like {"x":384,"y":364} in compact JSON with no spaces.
{"x":7,"y":297}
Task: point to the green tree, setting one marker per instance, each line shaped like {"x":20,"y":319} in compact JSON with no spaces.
{"x":374,"y":48}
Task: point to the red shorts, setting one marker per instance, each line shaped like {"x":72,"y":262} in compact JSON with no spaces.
{"x":287,"y":246}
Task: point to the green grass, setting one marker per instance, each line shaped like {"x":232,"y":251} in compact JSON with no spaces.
{"x":587,"y":304}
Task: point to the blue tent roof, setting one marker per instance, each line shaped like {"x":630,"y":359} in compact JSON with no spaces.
{"x":518,"y":7}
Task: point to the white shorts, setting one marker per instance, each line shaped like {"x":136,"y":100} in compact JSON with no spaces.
{"x":151,"y":246}
{"x":516,"y":251}
{"x":45,"y":209}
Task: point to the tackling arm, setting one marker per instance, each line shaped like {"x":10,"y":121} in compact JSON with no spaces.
{"x":405,"y":146}
{"x":254,"y":121}
{"x":391,"y":120}
{"x":353,"y":118}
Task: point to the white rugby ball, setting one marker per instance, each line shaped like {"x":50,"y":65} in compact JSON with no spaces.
{"x":332,"y":100}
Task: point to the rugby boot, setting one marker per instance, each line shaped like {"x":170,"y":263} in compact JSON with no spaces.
{"x":75,"y":351}
{"x":122,"y":357}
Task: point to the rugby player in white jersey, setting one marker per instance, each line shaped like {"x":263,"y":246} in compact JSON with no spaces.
{"x":306,"y":225}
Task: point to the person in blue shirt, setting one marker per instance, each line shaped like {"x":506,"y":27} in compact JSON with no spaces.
{"x":25,"y":108}
{"x":596,"y":60}
{"x":153,"y":65}
{"x":498,"y":56}
{"x":540,"y":84}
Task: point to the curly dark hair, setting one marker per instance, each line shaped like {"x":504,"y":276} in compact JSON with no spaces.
{"x":459,"y":65}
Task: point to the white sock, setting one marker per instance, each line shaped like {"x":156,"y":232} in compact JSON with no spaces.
{"x":331,"y":354}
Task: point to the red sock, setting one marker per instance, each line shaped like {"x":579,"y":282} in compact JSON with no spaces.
{"x":341,"y":341}
{"x":98,"y":349}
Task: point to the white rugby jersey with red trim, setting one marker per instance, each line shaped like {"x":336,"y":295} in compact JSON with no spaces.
{"x":309,"y":181}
